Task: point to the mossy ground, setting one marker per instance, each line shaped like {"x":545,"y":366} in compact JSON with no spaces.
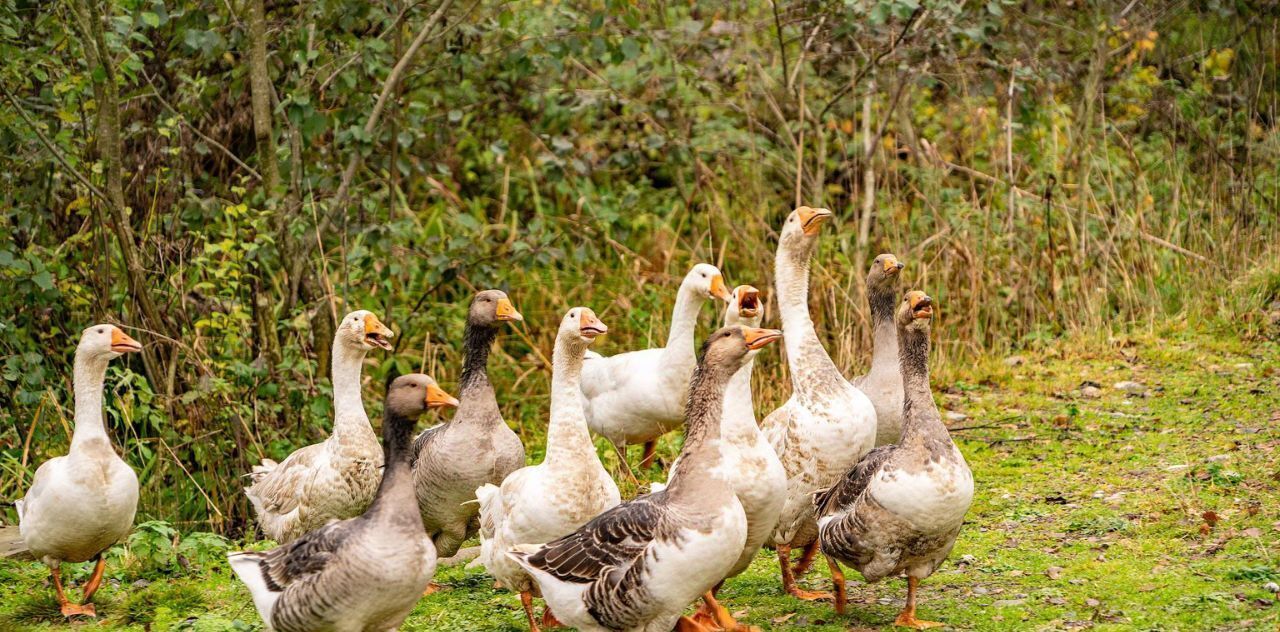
{"x":1124,"y":512}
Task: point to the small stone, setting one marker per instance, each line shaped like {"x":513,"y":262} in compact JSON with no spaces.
{"x":1244,"y":366}
{"x":982,"y":590}
{"x":1015,"y":360}
{"x":1090,"y":391}
{"x":1177,"y":468}
{"x":1131,"y":387}
{"x":967,"y":559}
{"x":1092,"y":603}
{"x":954,"y":417}
{"x":1007,"y":603}
{"x":1271,"y":587}
{"x":141,"y":583}
{"x":1054,"y":572}
{"x":1218,"y":458}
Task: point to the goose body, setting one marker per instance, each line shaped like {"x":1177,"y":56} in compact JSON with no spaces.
{"x":638,"y":396}
{"x":899,"y":510}
{"x":539,"y":503}
{"x":359,"y":574}
{"x":82,"y":503}
{"x":827,"y":424}
{"x":475,"y":448}
{"x":636,"y":566}
{"x":337,"y":478}
{"x":883,"y":382}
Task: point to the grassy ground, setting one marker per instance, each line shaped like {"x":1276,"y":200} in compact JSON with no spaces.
{"x":1122,"y":511}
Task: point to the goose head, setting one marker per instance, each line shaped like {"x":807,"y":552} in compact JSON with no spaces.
{"x":491,"y":307}
{"x":884,"y":272}
{"x":705,"y":280}
{"x":413,"y":394}
{"x":728,"y":347}
{"x":744,"y":307}
{"x":362,"y":330}
{"x":801,"y":229}
{"x":106,"y":341}
{"x":582,"y":325}
{"x":916,"y":311}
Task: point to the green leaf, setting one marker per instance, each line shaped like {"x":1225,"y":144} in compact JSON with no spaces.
{"x":150,"y":19}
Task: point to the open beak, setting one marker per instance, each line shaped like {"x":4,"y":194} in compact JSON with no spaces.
{"x":892,"y":265}
{"x":122,"y":343}
{"x":590,"y":326}
{"x":757,"y":338}
{"x":437,"y":398}
{"x":748,"y":301}
{"x":921,"y":305}
{"x":811,"y":219}
{"x":718,"y":289}
{"x":376,"y":333}
{"x":507,"y":311}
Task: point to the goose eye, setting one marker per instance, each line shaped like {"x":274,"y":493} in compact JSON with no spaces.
{"x":100,"y":330}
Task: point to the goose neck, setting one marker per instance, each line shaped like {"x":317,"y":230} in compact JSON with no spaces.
{"x":348,"y":404}
{"x":920,"y":418}
{"x":568,"y":438}
{"x":806,"y":357}
{"x":684,"y":321}
{"x":88,"y":376}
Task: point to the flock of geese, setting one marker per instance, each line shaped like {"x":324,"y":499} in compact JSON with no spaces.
{"x":361,"y":521}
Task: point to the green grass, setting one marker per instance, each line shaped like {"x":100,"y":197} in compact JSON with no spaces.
{"x":1090,"y":513}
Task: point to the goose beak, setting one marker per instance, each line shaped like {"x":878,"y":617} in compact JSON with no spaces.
{"x":122,"y":343}
{"x":437,"y":398}
{"x":757,"y":338}
{"x":376,"y":333}
{"x":589,"y":326}
{"x":921,"y":305}
{"x":718,"y":289}
{"x":748,"y":301}
{"x":811,"y":219}
{"x":507,"y":311}
{"x":892,"y":265}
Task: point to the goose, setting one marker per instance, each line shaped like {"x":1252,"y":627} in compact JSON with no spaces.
{"x":337,"y":478}
{"x":638,"y":396}
{"x":636,"y":566}
{"x":539,"y":503}
{"x":898,"y":511}
{"x":82,"y":503}
{"x":358,"y":574}
{"x":452,"y":460}
{"x":883,"y":382}
{"x":757,"y":475}
{"x":827,"y":424}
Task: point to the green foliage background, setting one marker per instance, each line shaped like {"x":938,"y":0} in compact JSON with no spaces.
{"x":1044,"y":168}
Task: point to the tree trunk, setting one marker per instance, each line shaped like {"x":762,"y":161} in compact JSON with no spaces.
{"x":265,"y":140}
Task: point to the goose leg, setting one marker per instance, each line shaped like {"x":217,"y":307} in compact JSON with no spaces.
{"x":650,"y":451}
{"x":907,"y":618}
{"x":431,"y":589}
{"x":549,"y":619}
{"x":94,"y":582}
{"x":68,"y":609}
{"x":837,"y":578}
{"x":789,"y":579}
{"x":526,"y":601}
{"x":685,"y":624}
{"x":806,"y":560}
{"x":714,"y":616}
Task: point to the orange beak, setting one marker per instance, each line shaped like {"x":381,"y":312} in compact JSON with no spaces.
{"x":590,"y":326}
{"x":376,"y":333}
{"x":748,"y":301}
{"x":757,"y":338}
{"x":122,"y":343}
{"x":507,"y":311}
{"x":811,"y":219}
{"x":437,"y":398}
{"x":892,"y":265}
{"x":921,"y":305}
{"x":718,"y":289}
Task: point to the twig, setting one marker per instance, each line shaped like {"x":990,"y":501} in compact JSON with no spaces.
{"x":52,"y":149}
{"x":915,"y":15}
{"x":155,"y":92}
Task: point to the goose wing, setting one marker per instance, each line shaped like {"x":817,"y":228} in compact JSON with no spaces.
{"x":614,"y":539}
{"x":854,"y":482}
{"x":305,"y":556}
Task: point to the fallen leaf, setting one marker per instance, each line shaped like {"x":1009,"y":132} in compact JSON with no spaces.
{"x":783,"y":619}
{"x":1092,"y":603}
{"x":1054,"y":572}
{"x":1253,"y":532}
{"x":1210,"y":518}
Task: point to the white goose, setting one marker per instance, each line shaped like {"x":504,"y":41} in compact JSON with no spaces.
{"x":638,"y":396}
{"x":540,"y":503}
{"x":635,"y":567}
{"x":338,"y":478}
{"x":82,"y":503}
{"x":827,"y":424}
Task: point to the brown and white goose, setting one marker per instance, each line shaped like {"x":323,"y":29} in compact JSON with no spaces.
{"x":337,"y":478}
{"x":359,"y":574}
{"x":883,"y":382}
{"x":82,"y":503}
{"x":539,"y":503}
{"x":636,"y":566}
{"x":474,"y":448}
{"x":898,"y":512}
{"x":827,"y":424}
